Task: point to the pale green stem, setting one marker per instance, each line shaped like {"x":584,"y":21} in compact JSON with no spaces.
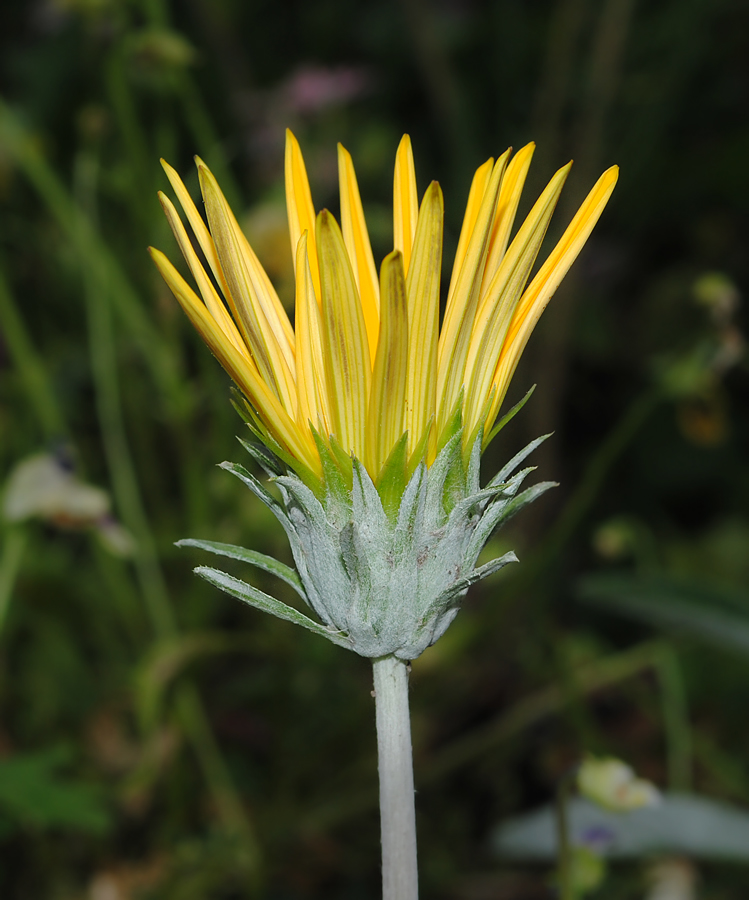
{"x":395,"y":764}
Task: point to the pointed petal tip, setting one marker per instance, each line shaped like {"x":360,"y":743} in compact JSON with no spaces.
{"x":527,"y":150}
{"x":325,"y":217}
{"x":392,"y":258}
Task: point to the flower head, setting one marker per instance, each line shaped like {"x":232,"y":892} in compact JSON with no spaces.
{"x":369,"y":415}
{"x":367,"y":372}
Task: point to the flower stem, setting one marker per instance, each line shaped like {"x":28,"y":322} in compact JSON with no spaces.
{"x":395,"y":763}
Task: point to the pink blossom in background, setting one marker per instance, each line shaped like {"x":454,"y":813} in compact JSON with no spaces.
{"x":314,"y":88}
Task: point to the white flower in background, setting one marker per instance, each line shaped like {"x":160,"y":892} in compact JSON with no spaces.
{"x":44,"y":486}
{"x":613,"y":785}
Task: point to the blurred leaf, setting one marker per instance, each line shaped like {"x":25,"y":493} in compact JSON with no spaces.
{"x":702,"y":611}
{"x":683,"y":824}
{"x":33,"y":793}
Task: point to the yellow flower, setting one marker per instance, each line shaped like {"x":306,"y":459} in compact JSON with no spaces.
{"x":367,"y":371}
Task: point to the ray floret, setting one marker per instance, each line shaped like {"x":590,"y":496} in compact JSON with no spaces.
{"x":367,"y":372}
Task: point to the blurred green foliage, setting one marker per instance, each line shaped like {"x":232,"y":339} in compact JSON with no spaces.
{"x":157,"y":739}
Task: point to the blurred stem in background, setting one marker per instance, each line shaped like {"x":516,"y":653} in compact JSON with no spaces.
{"x":14,"y":544}
{"x":103,"y":284}
{"x":78,"y":229}
{"x":139,"y":170}
{"x":558,"y":68}
{"x":39,"y":393}
{"x":557,"y":92}
{"x":607,"y":454}
{"x":127,"y":493}
{"x":564,"y":846}
{"x":440,"y":83}
{"x":41,"y":398}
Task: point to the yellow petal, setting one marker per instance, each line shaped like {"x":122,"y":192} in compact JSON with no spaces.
{"x":299,"y":207}
{"x":460,"y":314}
{"x":507,"y":205}
{"x":405,"y":201}
{"x":423,"y":291}
{"x":266,"y":293}
{"x":208,"y":292}
{"x":348,"y":370}
{"x":312,"y":391}
{"x":196,"y":223}
{"x":479,"y":184}
{"x":496,"y":310}
{"x":547,"y":280}
{"x":356,"y":238}
{"x":262,"y":328}
{"x":386,"y":404}
{"x":240,"y":368}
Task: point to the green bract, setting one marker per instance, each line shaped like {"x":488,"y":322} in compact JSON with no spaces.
{"x":382,"y":582}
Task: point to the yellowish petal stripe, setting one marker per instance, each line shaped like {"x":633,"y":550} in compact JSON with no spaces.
{"x":460,"y":314}
{"x":356,"y":239}
{"x":299,"y":207}
{"x":387,"y":399}
{"x":479,"y":184}
{"x":264,"y":291}
{"x":547,"y":280}
{"x":196,"y":222}
{"x":211,"y":299}
{"x":348,"y":371}
{"x":423,"y":290}
{"x":405,"y":201}
{"x":507,"y":206}
{"x":258,"y":317}
{"x":208,"y":246}
{"x":240,"y":368}
{"x":312,"y":391}
{"x":496,"y":311}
